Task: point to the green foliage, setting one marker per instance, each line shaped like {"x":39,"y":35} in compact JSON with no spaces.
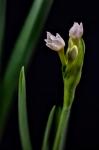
{"x":72,"y":63}
{"x":22,"y":113}
{"x":45,"y":145}
{"x":2,"y":23}
{"x":24,"y":47}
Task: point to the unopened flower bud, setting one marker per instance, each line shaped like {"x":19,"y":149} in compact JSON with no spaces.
{"x":76,"y":31}
{"x":72,"y":53}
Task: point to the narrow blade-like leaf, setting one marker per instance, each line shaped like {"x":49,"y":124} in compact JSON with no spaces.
{"x":45,"y":145}
{"x":22,"y":113}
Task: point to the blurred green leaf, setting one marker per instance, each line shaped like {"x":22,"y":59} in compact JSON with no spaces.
{"x":24,"y":47}
{"x":2,"y":22}
{"x":45,"y":145}
{"x":22,"y":113}
{"x":2,"y":30}
{"x":25,"y":44}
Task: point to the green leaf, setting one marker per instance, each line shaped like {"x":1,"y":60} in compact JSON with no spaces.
{"x":2,"y":30}
{"x":24,"y":47}
{"x":2,"y":22}
{"x":45,"y":145}
{"x":22,"y":113}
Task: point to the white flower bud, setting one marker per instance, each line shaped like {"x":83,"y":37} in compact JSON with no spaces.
{"x":76,"y":31}
{"x":72,"y":53}
{"x":55,"y":43}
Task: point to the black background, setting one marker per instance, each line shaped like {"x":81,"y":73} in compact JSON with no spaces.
{"x":44,"y":79}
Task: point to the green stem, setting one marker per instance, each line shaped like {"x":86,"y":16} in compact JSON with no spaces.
{"x":69,"y":92}
{"x":62,"y":57}
{"x":63,"y":124}
{"x":61,"y":127}
{"x":71,"y":72}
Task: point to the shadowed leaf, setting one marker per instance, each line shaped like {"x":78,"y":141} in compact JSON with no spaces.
{"x":45,"y":145}
{"x":2,"y":22}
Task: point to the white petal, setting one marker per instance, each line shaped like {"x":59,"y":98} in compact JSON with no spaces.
{"x":50,"y":36}
{"x":81,"y":27}
{"x":76,"y":24}
{"x":76,"y":31}
{"x":60,"y":39}
{"x":52,"y":46}
{"x":45,"y":40}
{"x":54,"y":42}
{"x":57,"y":35}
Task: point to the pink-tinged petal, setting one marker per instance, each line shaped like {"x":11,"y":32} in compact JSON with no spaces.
{"x":52,"y":46}
{"x":60,"y":39}
{"x":76,"y":31}
{"x":54,"y":42}
{"x":57,"y":35}
{"x":50,"y":36}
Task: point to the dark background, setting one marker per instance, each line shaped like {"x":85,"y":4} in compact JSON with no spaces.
{"x":44,"y":79}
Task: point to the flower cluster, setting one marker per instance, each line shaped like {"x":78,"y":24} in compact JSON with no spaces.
{"x":56,"y":43}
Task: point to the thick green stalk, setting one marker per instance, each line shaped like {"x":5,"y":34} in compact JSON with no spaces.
{"x":68,"y":94}
{"x":71,"y":77}
{"x":63,"y":124}
{"x":65,"y":129}
{"x":60,"y":129}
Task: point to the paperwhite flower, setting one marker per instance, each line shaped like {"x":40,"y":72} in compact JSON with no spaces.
{"x":55,"y":43}
{"x":76,"y":31}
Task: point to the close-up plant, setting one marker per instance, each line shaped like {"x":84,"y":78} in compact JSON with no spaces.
{"x":43,"y":75}
{"x":72,"y":63}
